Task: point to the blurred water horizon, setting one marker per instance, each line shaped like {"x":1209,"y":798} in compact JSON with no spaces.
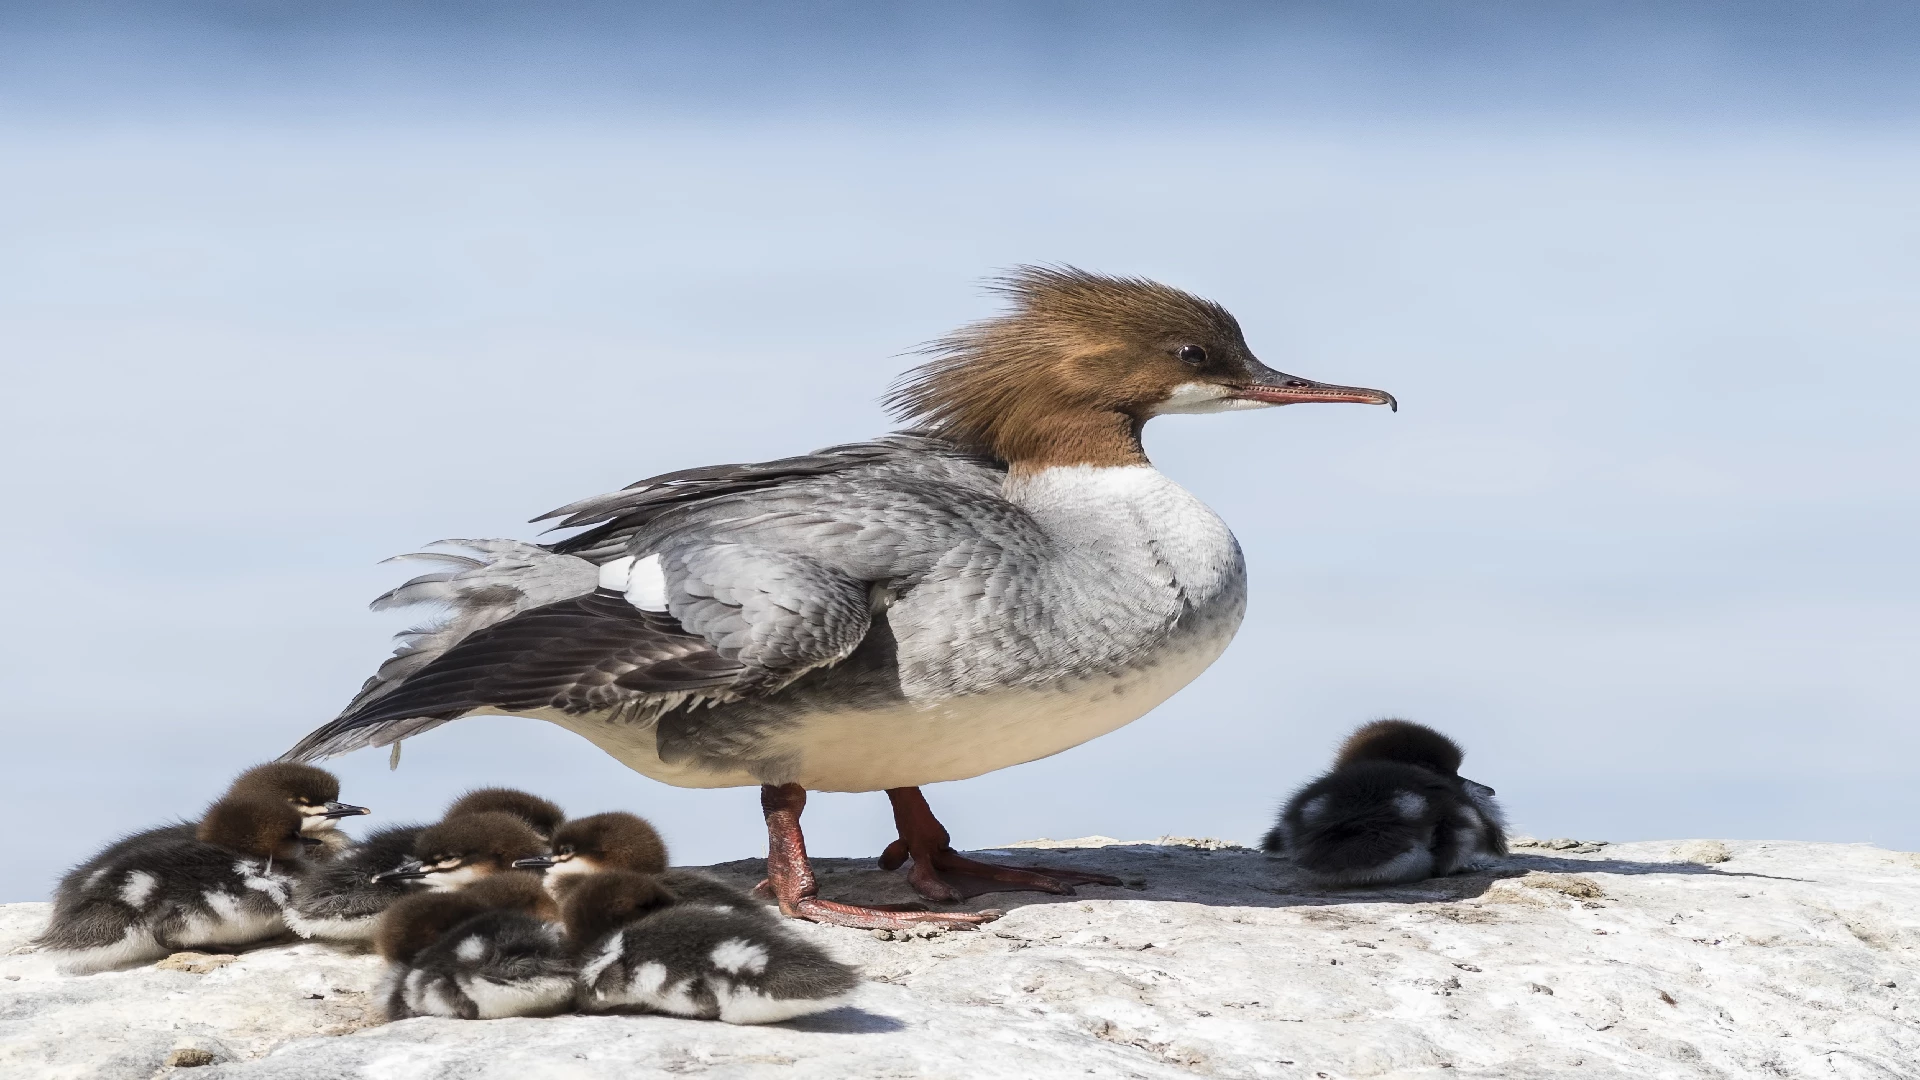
{"x":291,"y":291}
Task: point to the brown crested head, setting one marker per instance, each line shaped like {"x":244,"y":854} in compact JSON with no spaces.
{"x":255,"y":827}
{"x":1080,"y":362}
{"x":612,"y":841}
{"x":1405,"y":742}
{"x":313,"y":792}
{"x":542,"y":815}
{"x":599,"y":904}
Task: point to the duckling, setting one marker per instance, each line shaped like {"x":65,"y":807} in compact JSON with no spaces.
{"x":485,"y":951}
{"x":311,"y":791}
{"x":640,"y":949}
{"x":222,"y":886}
{"x":621,"y":841}
{"x":543,"y":816}
{"x":341,"y":899}
{"x":1394,"y":809}
{"x":461,"y":850}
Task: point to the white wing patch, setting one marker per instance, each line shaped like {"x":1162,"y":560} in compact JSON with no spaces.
{"x":1410,"y":804}
{"x":647,"y":585}
{"x":642,"y":580}
{"x":473,"y":948}
{"x":614,"y":575}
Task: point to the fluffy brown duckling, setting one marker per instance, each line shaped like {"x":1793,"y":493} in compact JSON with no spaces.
{"x":486,"y":950}
{"x":1394,"y":809}
{"x":641,"y":948}
{"x":461,"y":850}
{"x":221,"y":886}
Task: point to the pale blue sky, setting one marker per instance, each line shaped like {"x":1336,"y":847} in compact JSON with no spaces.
{"x":285,"y":298}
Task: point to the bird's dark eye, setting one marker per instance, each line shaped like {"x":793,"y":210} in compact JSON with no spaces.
{"x":1192,"y":354}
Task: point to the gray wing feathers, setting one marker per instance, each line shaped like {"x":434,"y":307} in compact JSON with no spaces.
{"x":777,"y":614}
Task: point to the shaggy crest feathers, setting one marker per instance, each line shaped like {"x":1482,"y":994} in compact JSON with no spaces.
{"x":1018,"y":384}
{"x":543,"y":816}
{"x":1403,"y":741}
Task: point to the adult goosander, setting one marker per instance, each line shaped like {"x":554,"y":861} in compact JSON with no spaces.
{"x":1395,"y":809}
{"x":1007,"y":580}
{"x":223,"y":886}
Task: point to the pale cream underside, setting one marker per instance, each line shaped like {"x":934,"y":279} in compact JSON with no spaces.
{"x":914,"y":744}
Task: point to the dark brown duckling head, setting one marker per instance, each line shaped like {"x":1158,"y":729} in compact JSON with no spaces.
{"x":255,"y":827}
{"x":313,"y":792}
{"x":610,"y":841}
{"x":462,"y":850}
{"x":598,"y":904}
{"x":542,"y":816}
{"x":1402,"y":741}
{"x":516,"y":890}
{"x":417,"y":921}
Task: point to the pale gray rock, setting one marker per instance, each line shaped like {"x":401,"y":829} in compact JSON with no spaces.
{"x":1784,"y":960}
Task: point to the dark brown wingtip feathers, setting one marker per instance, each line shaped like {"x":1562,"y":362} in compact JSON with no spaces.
{"x":616,"y":840}
{"x":493,"y":836}
{"x":287,"y":780}
{"x":1403,"y":741}
{"x":1065,"y":353}
{"x":545,"y":817}
{"x":602,"y":903}
{"x":260,"y":827}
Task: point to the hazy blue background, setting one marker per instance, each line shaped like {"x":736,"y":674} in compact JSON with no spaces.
{"x":286,"y":292}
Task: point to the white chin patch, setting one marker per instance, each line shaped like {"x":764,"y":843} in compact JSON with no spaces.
{"x":1199,"y":397}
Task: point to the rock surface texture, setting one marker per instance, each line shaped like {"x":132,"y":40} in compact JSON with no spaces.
{"x":1699,"y":959}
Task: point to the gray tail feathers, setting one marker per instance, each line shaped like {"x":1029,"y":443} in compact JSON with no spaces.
{"x":501,"y":579}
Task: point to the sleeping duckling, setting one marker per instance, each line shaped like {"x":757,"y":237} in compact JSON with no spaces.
{"x":222,"y":886}
{"x":1393,"y":810}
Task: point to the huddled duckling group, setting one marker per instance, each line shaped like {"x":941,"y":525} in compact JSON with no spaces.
{"x":504,"y":907}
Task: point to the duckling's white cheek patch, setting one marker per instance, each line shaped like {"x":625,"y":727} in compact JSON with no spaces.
{"x":457,"y":878}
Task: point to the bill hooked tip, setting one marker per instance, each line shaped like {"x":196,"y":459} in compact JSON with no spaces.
{"x":340,"y":810}
{"x":537,"y":862}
